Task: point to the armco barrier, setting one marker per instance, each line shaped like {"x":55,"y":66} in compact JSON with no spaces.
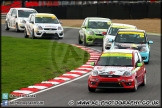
{"x":74,"y":12}
{"x":138,"y":10}
{"x":89,"y":11}
{"x":120,"y":11}
{"x":154,"y":10}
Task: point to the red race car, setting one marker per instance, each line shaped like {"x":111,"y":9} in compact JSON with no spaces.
{"x":118,"y":68}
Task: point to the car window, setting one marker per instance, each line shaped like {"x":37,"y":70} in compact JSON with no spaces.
{"x":31,"y":19}
{"x":112,"y":31}
{"x":46,"y":19}
{"x":98,"y":24}
{"x":84,"y":22}
{"x":115,"y":59}
{"x":10,"y":11}
{"x":130,"y":37}
{"x":14,"y":13}
{"x":25,"y":13}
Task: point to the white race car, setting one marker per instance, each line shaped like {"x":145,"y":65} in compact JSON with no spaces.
{"x":111,"y":32}
{"x":16,"y":18}
{"x":43,"y":25}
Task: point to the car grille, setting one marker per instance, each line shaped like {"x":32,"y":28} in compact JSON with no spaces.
{"x":99,"y":35}
{"x":50,"y":29}
{"x":98,"y":41}
{"x":109,"y":84}
{"x":110,"y":76}
{"x":45,"y":35}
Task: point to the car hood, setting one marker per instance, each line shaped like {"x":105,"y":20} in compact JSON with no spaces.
{"x":97,"y":31}
{"x":110,"y":37}
{"x":112,"y":70}
{"x":128,"y":45}
{"x":44,"y":25}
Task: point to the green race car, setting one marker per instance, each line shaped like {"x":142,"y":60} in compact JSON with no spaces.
{"x":93,"y":30}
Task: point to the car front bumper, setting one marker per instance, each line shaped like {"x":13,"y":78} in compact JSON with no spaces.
{"x":94,"y":39}
{"x":49,"y":33}
{"x":113,"y":82}
{"x":145,"y":56}
{"x":21,"y":26}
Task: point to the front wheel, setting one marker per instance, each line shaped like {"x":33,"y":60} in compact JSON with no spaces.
{"x":144,"y":80}
{"x":84,"y":41}
{"x":79,"y":41}
{"x":17,"y":28}
{"x":25,"y":34}
{"x":60,"y":37}
{"x":6,"y":26}
{"x":135,"y":85}
{"x":33,"y":35}
{"x":91,"y":89}
{"x":148,"y":59}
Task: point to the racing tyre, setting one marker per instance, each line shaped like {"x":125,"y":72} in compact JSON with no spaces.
{"x":91,"y":89}
{"x":84,"y":41}
{"x":17,"y":28}
{"x":25,"y":34}
{"x":148,"y":60}
{"x":144,"y":80}
{"x":135,"y":85}
{"x":6,"y":26}
{"x":33,"y":36}
{"x":60,"y":37}
{"x":79,"y":41}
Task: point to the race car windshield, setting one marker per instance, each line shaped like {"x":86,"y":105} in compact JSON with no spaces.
{"x":130,"y":38}
{"x":25,"y":13}
{"x":112,"y":31}
{"x":98,"y":25}
{"x":46,"y":20}
{"x":115,"y":61}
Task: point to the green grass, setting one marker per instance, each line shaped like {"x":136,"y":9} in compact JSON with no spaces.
{"x":26,"y":61}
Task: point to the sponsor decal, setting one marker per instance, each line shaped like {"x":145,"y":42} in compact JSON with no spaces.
{"x":117,"y":54}
{"x":141,"y":34}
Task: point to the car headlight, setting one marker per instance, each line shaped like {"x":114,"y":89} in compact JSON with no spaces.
{"x":59,"y":28}
{"x":90,"y":33}
{"x":94,"y":73}
{"x":143,"y":49}
{"x":39,"y":28}
{"x":127,"y":74}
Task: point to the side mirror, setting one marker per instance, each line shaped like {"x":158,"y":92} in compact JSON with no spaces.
{"x":92,"y":63}
{"x":139,"y":64}
{"x":111,"y":40}
{"x":150,"y":42}
{"x":60,"y":22}
{"x":15,"y":16}
{"x":83,"y":26}
{"x":32,"y":22}
{"x":104,"y":33}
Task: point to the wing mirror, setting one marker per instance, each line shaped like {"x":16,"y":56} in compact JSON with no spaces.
{"x":92,"y":63}
{"x":150,"y":42}
{"x":111,"y":40}
{"x":139,"y":64}
{"x":83,"y":27}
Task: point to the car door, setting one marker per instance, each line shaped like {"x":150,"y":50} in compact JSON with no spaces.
{"x":138,"y":69}
{"x":30,"y":25}
{"x":13,"y":18}
{"x":8,"y":16}
{"x":82,"y":29}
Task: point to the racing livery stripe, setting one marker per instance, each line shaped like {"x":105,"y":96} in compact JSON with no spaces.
{"x":84,"y":69}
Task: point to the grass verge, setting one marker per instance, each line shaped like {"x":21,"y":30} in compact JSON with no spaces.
{"x":26,"y":61}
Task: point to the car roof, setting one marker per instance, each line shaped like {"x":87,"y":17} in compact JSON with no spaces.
{"x":120,"y":51}
{"x":131,"y":30}
{"x":23,"y":8}
{"x":120,"y":24}
{"x":98,"y":18}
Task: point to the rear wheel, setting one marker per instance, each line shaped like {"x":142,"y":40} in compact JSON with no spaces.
{"x":6,"y":26}
{"x":79,"y":41}
{"x":91,"y":89}
{"x":25,"y":34}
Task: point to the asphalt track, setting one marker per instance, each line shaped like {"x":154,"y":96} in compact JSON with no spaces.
{"x":77,"y":90}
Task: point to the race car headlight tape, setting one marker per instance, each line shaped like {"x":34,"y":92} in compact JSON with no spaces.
{"x":90,"y":33}
{"x":94,"y":73}
{"x":143,"y":49}
{"x":127,"y":74}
